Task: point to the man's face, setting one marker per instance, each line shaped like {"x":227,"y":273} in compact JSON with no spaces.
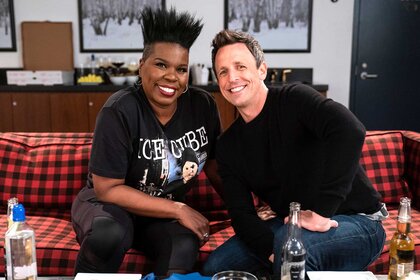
{"x":189,"y":170}
{"x":238,"y":76}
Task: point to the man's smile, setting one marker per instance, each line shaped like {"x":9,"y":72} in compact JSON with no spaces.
{"x":237,"y":89}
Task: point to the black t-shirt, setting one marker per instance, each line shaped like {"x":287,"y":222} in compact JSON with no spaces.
{"x":130,"y":143}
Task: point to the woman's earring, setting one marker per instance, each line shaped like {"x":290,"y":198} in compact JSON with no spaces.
{"x":186,"y":89}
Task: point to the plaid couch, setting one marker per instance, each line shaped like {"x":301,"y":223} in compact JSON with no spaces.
{"x":46,"y":170}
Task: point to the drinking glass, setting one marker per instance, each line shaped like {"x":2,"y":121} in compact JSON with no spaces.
{"x":233,"y":275}
{"x":118,"y":62}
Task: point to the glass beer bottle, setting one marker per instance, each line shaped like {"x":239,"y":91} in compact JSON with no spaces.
{"x":401,"y":252}
{"x":294,"y":253}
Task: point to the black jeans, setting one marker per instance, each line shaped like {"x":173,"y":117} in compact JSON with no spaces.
{"x":106,"y":232}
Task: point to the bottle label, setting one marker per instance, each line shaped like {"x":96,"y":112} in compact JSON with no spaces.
{"x":294,"y":271}
{"x":404,"y":268}
{"x":24,"y":272}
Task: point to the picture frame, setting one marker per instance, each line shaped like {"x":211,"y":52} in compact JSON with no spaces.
{"x":112,"y":25}
{"x":279,"y":26}
{"x":7,"y":26}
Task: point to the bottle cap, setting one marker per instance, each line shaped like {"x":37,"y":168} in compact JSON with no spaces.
{"x":19,"y":213}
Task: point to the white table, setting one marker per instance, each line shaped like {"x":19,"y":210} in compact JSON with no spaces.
{"x":53,"y":278}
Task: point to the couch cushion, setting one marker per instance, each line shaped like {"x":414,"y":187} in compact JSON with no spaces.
{"x":383,"y":159}
{"x":43,"y":169}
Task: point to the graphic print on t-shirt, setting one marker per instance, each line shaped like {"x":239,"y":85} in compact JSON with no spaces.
{"x":170,"y":164}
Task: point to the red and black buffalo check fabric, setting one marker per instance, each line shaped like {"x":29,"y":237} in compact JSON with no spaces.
{"x":383,"y":159}
{"x":408,"y":174}
{"x":412,"y":164}
{"x":46,"y":170}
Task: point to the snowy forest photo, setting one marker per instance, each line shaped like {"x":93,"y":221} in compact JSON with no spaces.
{"x":278,"y":25}
{"x":112,"y":25}
{"x":7,"y":28}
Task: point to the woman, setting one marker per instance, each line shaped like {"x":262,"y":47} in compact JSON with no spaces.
{"x":140,"y":135}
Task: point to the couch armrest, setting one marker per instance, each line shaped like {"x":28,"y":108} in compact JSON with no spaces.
{"x":412,"y":164}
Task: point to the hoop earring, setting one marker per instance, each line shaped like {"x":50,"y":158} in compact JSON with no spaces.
{"x":186,"y":89}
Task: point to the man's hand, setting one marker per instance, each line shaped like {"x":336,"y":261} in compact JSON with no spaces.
{"x":314,"y":222}
{"x":265,"y":213}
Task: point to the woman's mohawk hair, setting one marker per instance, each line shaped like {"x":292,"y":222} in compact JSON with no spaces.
{"x":169,"y":26}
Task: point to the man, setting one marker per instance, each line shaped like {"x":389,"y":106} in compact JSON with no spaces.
{"x":290,"y":144}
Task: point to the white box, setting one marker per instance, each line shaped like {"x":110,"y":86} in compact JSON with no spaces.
{"x":25,"y":77}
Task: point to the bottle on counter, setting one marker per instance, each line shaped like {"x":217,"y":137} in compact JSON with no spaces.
{"x":294,"y":252}
{"x":93,"y":65}
{"x":20,"y":248}
{"x":401,"y":250}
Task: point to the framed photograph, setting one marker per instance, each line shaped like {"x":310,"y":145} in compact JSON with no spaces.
{"x":279,"y":26}
{"x":112,"y":25}
{"x":7,"y":26}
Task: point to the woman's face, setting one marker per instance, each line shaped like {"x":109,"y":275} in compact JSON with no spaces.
{"x":164,"y":74}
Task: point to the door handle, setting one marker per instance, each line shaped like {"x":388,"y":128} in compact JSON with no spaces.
{"x":366,"y":75}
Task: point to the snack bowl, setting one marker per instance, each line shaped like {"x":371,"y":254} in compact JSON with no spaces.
{"x":132,"y":79}
{"x":118,"y":80}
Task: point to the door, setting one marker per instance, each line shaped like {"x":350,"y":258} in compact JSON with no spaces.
{"x":385,"y":85}
{"x":6,"y":117}
{"x":31,"y":112}
{"x":96,"y":101}
{"x":69,"y":112}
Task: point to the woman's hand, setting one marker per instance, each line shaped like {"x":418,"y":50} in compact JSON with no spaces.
{"x":193,"y":220}
{"x":314,"y":222}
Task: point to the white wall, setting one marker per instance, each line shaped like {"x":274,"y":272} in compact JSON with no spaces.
{"x":330,"y":54}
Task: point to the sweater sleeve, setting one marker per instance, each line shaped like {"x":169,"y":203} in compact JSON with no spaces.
{"x":239,"y":200}
{"x":343,"y":135}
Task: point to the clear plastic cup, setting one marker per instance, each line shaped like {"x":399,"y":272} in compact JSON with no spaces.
{"x":233,"y":275}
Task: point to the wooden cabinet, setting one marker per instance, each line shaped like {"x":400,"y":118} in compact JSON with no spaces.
{"x":55,"y":111}
{"x":227,"y":111}
{"x":6,"y":116}
{"x":31,"y":112}
{"x":95,"y":102}
{"x":25,"y":112}
{"x":69,"y":112}
{"x":75,"y":112}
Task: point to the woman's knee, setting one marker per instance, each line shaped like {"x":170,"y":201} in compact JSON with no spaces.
{"x":108,"y":237}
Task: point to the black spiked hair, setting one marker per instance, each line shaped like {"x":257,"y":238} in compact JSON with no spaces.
{"x":162,"y":25}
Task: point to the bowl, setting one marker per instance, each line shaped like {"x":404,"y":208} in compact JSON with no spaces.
{"x":118,"y":80}
{"x":132,"y":79}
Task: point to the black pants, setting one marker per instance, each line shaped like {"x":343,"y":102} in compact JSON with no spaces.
{"x":106,"y":232}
